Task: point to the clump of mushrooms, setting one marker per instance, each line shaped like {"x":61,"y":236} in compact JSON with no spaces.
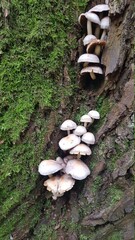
{"x":96,"y":23}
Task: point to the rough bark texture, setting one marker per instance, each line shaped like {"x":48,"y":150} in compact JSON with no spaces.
{"x":102,"y":206}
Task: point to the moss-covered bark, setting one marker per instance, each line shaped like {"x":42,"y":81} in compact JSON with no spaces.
{"x":39,"y":80}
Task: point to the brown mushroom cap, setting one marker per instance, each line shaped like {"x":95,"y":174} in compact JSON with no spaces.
{"x":93,"y":44}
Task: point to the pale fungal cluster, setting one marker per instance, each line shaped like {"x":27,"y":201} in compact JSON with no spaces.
{"x":71,"y":167}
{"x":95,"y":23}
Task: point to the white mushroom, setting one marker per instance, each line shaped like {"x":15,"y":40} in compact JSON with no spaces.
{"x":88,"y":58}
{"x":80,"y":130}
{"x":86,"y":119}
{"x":77,"y":169}
{"x":52,"y":184}
{"x":81,"y":149}
{"x":48,"y":167}
{"x":88,"y":138}
{"x":68,"y":125}
{"x":69,"y":142}
{"x":99,"y":9}
{"x":86,"y":19}
{"x":105,"y":23}
{"x":94,"y":114}
{"x":88,"y":39}
{"x":93,"y":70}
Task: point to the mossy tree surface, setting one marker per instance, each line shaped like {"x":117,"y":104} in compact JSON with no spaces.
{"x":35,"y":46}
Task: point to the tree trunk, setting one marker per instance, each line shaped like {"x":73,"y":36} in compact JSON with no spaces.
{"x":101,"y":207}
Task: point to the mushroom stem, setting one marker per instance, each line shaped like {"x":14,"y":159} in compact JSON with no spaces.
{"x":68,"y":132}
{"x":89,"y":27}
{"x":97,"y":31}
{"x":85,"y":64}
{"x":97,"y":50}
{"x":85,"y":124}
{"x":78,"y":155}
{"x":103,"y":36}
{"x":93,"y":76}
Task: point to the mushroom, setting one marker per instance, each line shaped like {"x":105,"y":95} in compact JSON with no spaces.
{"x":86,"y":119}
{"x":58,"y":185}
{"x":88,"y":18}
{"x":81,"y":149}
{"x":66,"y":182}
{"x":94,"y":71}
{"x":69,"y":142}
{"x":88,"y":39}
{"x":94,"y":114}
{"x":95,"y":46}
{"x":99,"y":9}
{"x":88,"y":58}
{"x":52,"y":184}
{"x":88,"y":138}
{"x":105,"y":23}
{"x":77,"y":169}
{"x":68,"y":125}
{"x":48,"y":167}
{"x":80,"y":130}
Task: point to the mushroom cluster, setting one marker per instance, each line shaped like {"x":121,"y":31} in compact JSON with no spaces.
{"x":95,"y":23}
{"x":71,"y":167}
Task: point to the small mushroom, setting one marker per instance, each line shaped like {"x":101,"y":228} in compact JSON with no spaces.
{"x":69,"y":142}
{"x":94,"y":114}
{"x":88,"y":18}
{"x":77,"y":169}
{"x":52,"y":184}
{"x":105,"y":23}
{"x":48,"y":167}
{"x":87,"y":59}
{"x":81,"y":149}
{"x":68,"y":125}
{"x":66,"y":182}
{"x":95,"y":46}
{"x":86,"y":119}
{"x":80,"y":130}
{"x":93,"y":71}
{"x":100,"y":10}
{"x":88,"y":138}
{"x":88,"y":39}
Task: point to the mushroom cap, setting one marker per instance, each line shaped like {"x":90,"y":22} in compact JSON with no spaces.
{"x":105,"y":23}
{"x":86,"y":57}
{"x":88,"y":138}
{"x":82,"y":149}
{"x":66,"y":182}
{"x":92,"y":17}
{"x":97,"y":70}
{"x":82,"y":20}
{"x":80,"y":130}
{"x":86,"y":118}
{"x":47,"y":167}
{"x":88,"y":39}
{"x":52,"y":184}
{"x":77,"y":169}
{"x":100,"y":8}
{"x":68,"y":125}
{"x":94,"y":114}
{"x":94,"y":43}
{"x":69,"y":142}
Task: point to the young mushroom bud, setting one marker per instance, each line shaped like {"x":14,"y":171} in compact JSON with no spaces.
{"x":88,"y":138}
{"x":80,"y":130}
{"x":94,"y":114}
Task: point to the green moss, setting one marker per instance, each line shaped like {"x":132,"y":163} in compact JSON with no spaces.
{"x":115,"y":236}
{"x":114,"y":194}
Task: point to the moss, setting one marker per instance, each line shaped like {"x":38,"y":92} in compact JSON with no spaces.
{"x":115,"y":236}
{"x":114,"y":194}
